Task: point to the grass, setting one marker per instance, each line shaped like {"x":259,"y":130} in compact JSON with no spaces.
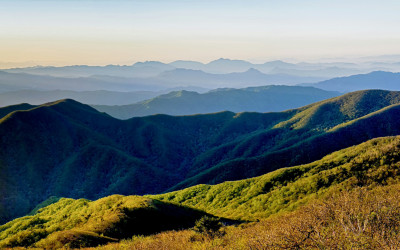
{"x":364,"y":218}
{"x":78,"y":223}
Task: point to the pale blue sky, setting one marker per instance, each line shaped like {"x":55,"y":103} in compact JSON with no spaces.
{"x":123,"y":32}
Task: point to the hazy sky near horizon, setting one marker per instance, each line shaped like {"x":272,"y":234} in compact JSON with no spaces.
{"x":122,"y":32}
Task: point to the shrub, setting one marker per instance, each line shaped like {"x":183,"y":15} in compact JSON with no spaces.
{"x":209,"y":226}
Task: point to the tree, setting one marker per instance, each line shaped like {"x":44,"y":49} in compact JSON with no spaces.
{"x":209,"y":226}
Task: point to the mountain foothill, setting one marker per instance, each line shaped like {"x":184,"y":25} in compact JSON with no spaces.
{"x":69,"y":149}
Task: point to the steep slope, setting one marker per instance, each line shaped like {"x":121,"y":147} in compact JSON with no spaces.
{"x":6,"y":110}
{"x":255,"y":99}
{"x":77,"y":223}
{"x":373,"y":80}
{"x":375,"y":162}
{"x":68,"y":149}
{"x":83,"y":223}
{"x":62,"y":149}
{"x":309,"y":135}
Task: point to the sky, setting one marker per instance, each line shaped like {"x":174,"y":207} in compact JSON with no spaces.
{"x":101,"y":32}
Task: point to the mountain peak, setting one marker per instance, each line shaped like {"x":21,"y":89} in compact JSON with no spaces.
{"x":222,"y":59}
{"x":179,"y":93}
{"x":278,"y":63}
{"x":152,"y":64}
{"x":226,"y":60}
{"x":253,"y":71}
{"x":182,"y":72}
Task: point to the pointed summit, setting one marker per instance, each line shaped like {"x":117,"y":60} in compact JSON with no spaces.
{"x":253,"y":71}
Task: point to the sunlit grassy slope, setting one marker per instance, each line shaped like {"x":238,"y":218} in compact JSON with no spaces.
{"x":77,"y":223}
{"x":363,"y":218}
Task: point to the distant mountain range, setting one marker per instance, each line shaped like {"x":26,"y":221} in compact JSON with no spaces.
{"x":177,"y":78}
{"x":23,"y":81}
{"x":250,"y":77}
{"x":147,"y":69}
{"x":68,"y":149}
{"x":34,"y":89}
{"x":255,"y":99}
{"x":221,"y":66}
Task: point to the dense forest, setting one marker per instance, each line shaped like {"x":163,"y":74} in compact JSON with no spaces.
{"x":68,"y":149}
{"x":347,"y":199}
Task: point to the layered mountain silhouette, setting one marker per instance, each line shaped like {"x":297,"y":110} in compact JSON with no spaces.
{"x":175,"y":78}
{"x":68,"y":149}
{"x":140,"y":69}
{"x":255,"y":99}
{"x":219,"y":66}
{"x":23,"y":81}
{"x":249,"y":77}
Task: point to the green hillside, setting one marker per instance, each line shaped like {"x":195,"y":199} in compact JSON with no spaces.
{"x":311,"y":133}
{"x":375,"y":162}
{"x":362,"y":218}
{"x":67,"y":149}
{"x":78,"y":223}
{"x":255,"y":99}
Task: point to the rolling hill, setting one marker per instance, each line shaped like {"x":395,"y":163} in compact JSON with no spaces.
{"x":68,"y":149}
{"x":83,"y":223}
{"x":256,"y":99}
{"x":375,"y":162}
